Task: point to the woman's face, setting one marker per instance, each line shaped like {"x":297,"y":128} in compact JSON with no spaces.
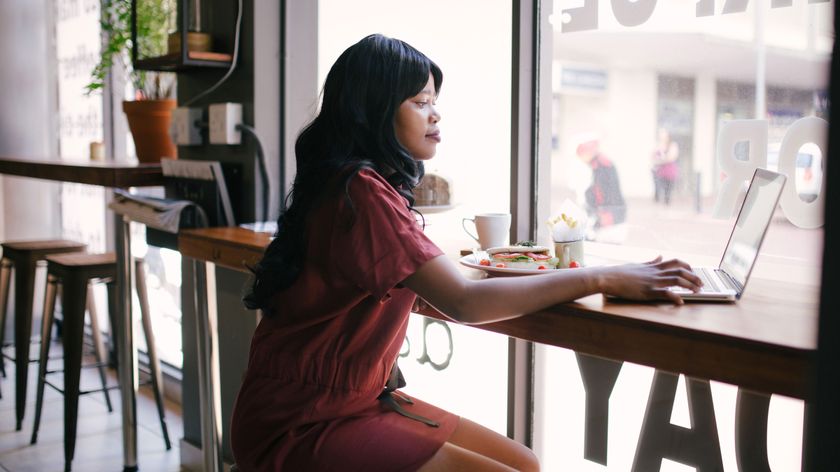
{"x":416,"y":123}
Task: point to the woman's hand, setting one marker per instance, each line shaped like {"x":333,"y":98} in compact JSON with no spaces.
{"x":649,"y":280}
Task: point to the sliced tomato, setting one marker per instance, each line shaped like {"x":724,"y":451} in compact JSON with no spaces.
{"x":574,"y":264}
{"x":499,"y":264}
{"x":484,"y":262}
{"x":541,"y":268}
{"x":508,"y":255}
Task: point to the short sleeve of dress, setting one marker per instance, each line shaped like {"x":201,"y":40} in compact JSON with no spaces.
{"x":384,"y":244}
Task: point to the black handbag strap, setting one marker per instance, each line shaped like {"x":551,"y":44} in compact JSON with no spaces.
{"x":389,"y":397}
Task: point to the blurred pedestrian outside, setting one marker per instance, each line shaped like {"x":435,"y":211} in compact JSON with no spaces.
{"x":665,"y":168}
{"x":604,"y":200}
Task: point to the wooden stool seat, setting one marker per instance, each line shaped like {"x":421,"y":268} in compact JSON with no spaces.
{"x":75,"y":272}
{"x":23,"y":257}
{"x":43,"y":247}
{"x":98,"y":266}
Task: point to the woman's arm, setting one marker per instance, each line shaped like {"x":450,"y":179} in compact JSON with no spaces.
{"x":442,"y":285}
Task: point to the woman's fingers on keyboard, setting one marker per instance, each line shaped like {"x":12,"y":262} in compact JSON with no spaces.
{"x":694,"y":278}
{"x":672,"y":263}
{"x":674,"y":298}
{"x":684,"y":277}
{"x":670,"y":295}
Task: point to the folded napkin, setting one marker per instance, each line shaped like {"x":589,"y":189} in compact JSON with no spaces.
{"x":570,"y":225}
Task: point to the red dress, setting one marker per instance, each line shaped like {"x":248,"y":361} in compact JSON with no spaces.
{"x":309,"y":398}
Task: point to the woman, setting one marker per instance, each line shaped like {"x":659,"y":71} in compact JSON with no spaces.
{"x":338,"y":282}
{"x":604,"y":200}
{"x":666,"y":169}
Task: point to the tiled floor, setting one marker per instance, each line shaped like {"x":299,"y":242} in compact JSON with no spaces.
{"x":99,"y":436}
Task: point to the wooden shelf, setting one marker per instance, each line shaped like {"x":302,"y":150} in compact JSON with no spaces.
{"x":174,"y":62}
{"x":106,"y":174}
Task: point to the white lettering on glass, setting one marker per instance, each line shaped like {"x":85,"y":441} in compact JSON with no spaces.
{"x":633,"y":12}
{"x":637,"y":12}
{"x":738,"y":171}
{"x":803,"y":131}
{"x":735,"y":6}
{"x":581,"y":18}
{"x":704,"y":8}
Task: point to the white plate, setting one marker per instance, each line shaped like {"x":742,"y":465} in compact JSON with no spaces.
{"x":470,"y":261}
{"x":434,"y":208}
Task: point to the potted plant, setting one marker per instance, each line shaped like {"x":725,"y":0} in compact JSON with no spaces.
{"x":150,"y":113}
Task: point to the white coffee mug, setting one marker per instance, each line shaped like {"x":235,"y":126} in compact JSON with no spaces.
{"x":568,"y":252}
{"x":493,"y":229}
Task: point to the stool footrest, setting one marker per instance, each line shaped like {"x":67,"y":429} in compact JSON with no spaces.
{"x":81,"y":392}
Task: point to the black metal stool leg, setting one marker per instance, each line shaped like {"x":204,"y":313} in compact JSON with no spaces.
{"x":73,"y":304}
{"x":151,"y":347}
{"x":98,"y":346}
{"x":46,"y":338}
{"x":5,"y":279}
{"x":24,"y":292}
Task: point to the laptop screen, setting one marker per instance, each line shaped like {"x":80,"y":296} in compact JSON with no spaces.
{"x":751,"y":225}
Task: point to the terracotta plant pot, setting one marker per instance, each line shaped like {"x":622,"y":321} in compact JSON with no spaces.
{"x":149,"y":123}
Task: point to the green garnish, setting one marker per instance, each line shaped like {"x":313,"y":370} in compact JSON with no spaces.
{"x":526,"y":243}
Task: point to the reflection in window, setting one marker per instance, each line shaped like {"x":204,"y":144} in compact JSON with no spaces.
{"x":652,"y":83}
{"x":80,"y":129}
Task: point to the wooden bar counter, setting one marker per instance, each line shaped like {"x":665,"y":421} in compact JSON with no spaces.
{"x":765,"y":342}
{"x":110,"y":175}
{"x":103,"y":174}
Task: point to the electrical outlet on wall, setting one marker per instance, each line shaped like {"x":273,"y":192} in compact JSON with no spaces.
{"x":185,"y":128}
{"x":224,"y":118}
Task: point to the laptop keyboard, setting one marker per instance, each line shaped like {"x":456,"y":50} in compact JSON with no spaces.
{"x":709,"y":280}
{"x":712,"y":282}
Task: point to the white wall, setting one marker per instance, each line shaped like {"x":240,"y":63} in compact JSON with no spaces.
{"x":29,"y":208}
{"x":630,"y":97}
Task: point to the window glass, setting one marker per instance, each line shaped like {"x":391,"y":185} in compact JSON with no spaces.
{"x":641,"y":95}
{"x":80,"y":137}
{"x":470,"y":173}
{"x":77,"y":39}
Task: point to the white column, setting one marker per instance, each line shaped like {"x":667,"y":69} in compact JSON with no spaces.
{"x":760,"y":62}
{"x":705,"y":131}
{"x":267,"y":95}
{"x":300,"y":64}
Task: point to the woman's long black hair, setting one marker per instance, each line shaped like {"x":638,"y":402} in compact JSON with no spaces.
{"x":354,"y":130}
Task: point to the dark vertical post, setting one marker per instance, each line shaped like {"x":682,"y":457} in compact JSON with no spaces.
{"x":821,"y":450}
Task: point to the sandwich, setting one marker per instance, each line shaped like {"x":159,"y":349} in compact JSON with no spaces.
{"x":521,"y":257}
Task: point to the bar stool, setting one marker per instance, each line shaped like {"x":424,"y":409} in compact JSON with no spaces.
{"x":75,"y":272}
{"x":23,"y":256}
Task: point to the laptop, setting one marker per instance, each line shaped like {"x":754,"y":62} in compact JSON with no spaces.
{"x":727,"y":281}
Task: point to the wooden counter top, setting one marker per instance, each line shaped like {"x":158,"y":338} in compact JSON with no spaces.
{"x":105,"y":174}
{"x":232,"y":247}
{"x":765,"y":342}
